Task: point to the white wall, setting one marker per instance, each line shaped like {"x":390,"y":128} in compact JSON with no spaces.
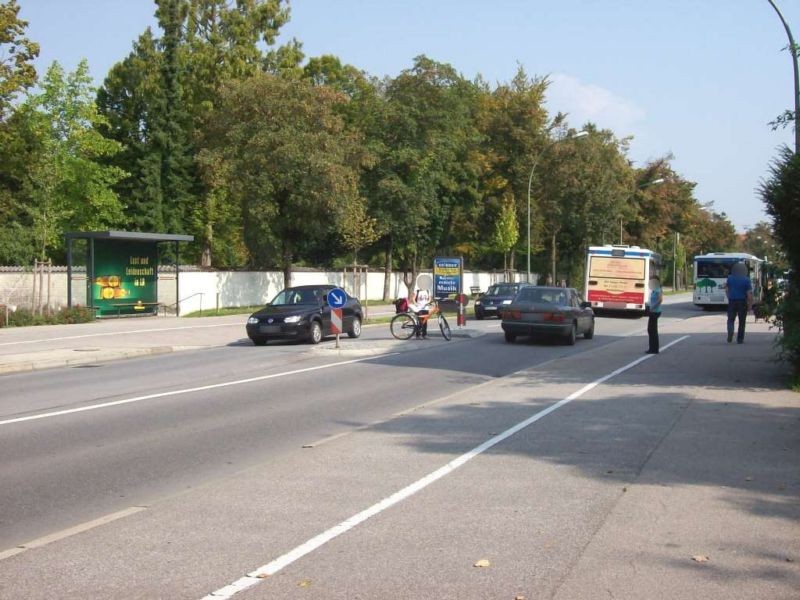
{"x":207,"y":290}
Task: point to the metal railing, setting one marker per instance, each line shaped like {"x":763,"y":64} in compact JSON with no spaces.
{"x":176,"y":305}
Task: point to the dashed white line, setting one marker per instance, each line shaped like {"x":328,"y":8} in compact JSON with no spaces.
{"x":273,"y":567}
{"x":201,"y":388}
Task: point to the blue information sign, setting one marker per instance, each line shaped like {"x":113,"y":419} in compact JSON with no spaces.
{"x":337,"y":298}
{"x":446,"y":276}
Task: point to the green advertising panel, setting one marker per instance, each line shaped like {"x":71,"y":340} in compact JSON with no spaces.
{"x":125,"y":277}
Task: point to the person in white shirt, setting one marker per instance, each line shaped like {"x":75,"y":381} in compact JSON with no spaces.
{"x":420,"y":306}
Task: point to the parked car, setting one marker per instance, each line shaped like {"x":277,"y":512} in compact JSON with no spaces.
{"x":497,"y":297}
{"x":553,"y":311}
{"x":302,"y":313}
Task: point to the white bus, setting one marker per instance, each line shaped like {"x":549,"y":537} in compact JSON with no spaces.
{"x":618,"y":277}
{"x":711,"y":272}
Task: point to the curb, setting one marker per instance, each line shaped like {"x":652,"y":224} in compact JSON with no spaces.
{"x":88,"y":359}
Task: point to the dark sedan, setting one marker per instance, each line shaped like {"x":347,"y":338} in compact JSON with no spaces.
{"x":496,"y":298}
{"x":551,"y":311}
{"x":302,"y":313}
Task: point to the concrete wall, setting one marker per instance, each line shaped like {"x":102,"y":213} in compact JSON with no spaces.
{"x":208,"y":290}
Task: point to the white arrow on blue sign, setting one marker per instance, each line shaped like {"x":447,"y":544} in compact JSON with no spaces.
{"x":337,"y":298}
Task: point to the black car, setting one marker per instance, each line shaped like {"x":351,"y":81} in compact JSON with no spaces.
{"x":552,"y":311}
{"x":498,"y":296}
{"x":302,"y":313}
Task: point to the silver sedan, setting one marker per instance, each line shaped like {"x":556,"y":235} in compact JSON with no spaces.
{"x":548,"y":311}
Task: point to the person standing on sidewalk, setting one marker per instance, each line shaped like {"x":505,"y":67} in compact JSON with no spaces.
{"x":739,"y":290}
{"x":656,"y":298}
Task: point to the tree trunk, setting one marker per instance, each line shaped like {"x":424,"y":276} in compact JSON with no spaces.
{"x":208,"y":238}
{"x":411,"y":282}
{"x":287,"y":265}
{"x":387,"y":271}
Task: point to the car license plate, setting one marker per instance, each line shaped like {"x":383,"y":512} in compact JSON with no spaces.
{"x":270,"y":328}
{"x":490,"y":308}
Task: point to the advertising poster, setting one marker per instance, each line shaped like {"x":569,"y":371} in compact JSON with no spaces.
{"x":447,"y":274}
{"x":616,"y":279}
{"x":125,"y":277}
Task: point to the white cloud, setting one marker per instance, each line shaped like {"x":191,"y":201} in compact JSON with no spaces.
{"x":587,"y":102}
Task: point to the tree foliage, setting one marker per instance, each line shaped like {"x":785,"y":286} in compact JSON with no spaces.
{"x":17,"y":53}
{"x":288,"y":160}
{"x":272,"y":160}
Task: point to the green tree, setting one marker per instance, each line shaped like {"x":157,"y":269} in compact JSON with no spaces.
{"x":422,"y":168}
{"x":780,"y":193}
{"x":514,"y":124}
{"x":506,"y":229}
{"x":289,"y":161}
{"x":127,"y":101}
{"x":69,"y":187}
{"x":17,"y":53}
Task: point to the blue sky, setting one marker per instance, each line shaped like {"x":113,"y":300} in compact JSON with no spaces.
{"x":696,"y":78}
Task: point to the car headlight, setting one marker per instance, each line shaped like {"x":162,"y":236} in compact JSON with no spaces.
{"x":252,"y":321}
{"x":506,"y":301}
{"x":477,"y":302}
{"x":294,"y":319}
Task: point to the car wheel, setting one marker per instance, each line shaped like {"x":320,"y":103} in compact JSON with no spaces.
{"x":355,"y":328}
{"x":315,"y":332}
{"x":572,"y":335}
{"x":510,"y":337}
{"x":260,"y":341}
{"x":589,"y":332}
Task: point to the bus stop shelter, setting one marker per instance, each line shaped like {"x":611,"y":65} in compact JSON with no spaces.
{"x":122,"y":270}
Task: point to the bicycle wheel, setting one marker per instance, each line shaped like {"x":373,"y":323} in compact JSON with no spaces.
{"x":403,"y":326}
{"x":444,"y":327}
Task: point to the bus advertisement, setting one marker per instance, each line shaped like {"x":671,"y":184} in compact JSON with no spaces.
{"x":711,"y":274}
{"x":618,"y":277}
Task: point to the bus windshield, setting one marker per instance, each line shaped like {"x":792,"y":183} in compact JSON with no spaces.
{"x":713,"y":269}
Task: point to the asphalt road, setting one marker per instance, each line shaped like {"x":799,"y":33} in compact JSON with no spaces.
{"x":255,"y":450}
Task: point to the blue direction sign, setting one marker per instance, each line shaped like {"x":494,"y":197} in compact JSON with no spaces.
{"x":337,"y":298}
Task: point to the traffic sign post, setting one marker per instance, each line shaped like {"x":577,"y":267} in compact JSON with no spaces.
{"x":462,"y":300}
{"x":337,"y":298}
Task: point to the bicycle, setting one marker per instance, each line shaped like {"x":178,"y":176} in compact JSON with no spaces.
{"x":406,"y":324}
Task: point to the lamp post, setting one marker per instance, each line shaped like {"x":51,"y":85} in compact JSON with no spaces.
{"x":793,"y":53}
{"x":579,"y":134}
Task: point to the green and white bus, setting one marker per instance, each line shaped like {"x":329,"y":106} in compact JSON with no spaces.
{"x":711,"y":273}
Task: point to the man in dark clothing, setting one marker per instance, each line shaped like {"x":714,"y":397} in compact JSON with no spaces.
{"x":739,"y":290}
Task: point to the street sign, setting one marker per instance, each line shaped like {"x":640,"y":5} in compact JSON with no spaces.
{"x":447,"y":276}
{"x":337,"y":298}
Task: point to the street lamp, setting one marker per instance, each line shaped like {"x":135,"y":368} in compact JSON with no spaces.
{"x":793,"y":54}
{"x":579,"y":134}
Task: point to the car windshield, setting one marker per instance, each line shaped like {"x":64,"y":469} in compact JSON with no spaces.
{"x":543,"y":296}
{"x":502,"y":290}
{"x":296,"y":296}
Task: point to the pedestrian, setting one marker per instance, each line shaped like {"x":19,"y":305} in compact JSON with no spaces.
{"x":422,"y":300}
{"x":739,"y":290}
{"x":656,"y":298}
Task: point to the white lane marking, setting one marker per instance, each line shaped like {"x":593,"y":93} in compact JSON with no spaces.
{"x":65,"y":533}
{"x":202,"y":388}
{"x":271,"y":568}
{"x":90,"y":335}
